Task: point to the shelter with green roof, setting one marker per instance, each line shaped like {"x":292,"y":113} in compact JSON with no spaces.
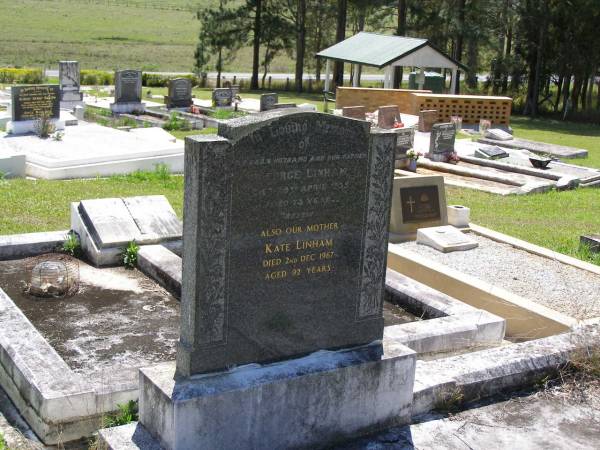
{"x":386,"y":52}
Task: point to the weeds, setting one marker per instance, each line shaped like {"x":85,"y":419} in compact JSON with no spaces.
{"x":127,"y":413}
{"x":72,"y":245}
{"x":224,"y":114}
{"x":176,"y":123}
{"x":2,"y":443}
{"x":451,"y":401}
{"x":44,"y":127}
{"x":130,"y":255}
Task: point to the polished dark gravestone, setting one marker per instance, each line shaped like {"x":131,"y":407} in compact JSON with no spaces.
{"x":128,"y":86}
{"x":180,"y":93}
{"x":405,"y":140}
{"x":35,"y":102}
{"x":441,"y":141}
{"x":268,"y":101}
{"x":286,"y":220}
{"x":222,"y":97}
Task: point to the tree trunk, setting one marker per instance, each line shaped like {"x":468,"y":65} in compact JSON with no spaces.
{"x":575,"y":93}
{"x":319,"y":40}
{"x":256,"y":45}
{"x":559,"y":87}
{"x":400,"y":31}
{"x":590,"y":90}
{"x":340,"y":35}
{"x":458,"y":48}
{"x":300,"y":42}
{"x":472,"y":63}
{"x":219,"y":67}
{"x":598,"y":98}
{"x":507,"y":48}
{"x":584,"y":88}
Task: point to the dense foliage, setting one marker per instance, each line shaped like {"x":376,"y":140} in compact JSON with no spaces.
{"x":542,"y":52}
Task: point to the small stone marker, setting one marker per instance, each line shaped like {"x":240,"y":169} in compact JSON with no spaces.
{"x":180,"y":93}
{"x":354,"y":112}
{"x":441,"y":141}
{"x":405,"y":139}
{"x":490,"y":152}
{"x":222,"y":97}
{"x":417,"y":202}
{"x":267,"y":101}
{"x":69,"y":78}
{"x":387,"y":116}
{"x":498,"y":134}
{"x":285,"y":238}
{"x":592,"y":241}
{"x":427,"y":118}
{"x":128,"y":92}
{"x":445,"y":239}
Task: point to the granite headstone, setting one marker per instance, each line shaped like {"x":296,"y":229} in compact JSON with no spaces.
{"x":285,"y":238}
{"x":179,"y":93}
{"x":35,"y":102}
{"x":441,"y":141}
{"x":69,"y":78}
{"x":222,"y":97}
{"x":267,"y":101}
{"x":128,"y":92}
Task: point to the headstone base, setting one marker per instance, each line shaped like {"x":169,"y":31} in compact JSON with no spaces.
{"x":128,"y":108}
{"x":176,"y":104}
{"x":29,"y":126}
{"x":439,"y":157}
{"x":320,"y":399}
{"x":446,"y":239}
{"x":70,"y":105}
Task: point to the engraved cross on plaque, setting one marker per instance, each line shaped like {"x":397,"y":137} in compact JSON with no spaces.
{"x":410,"y":203}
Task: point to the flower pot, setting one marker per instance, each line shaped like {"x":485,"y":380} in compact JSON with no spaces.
{"x":412,"y":165}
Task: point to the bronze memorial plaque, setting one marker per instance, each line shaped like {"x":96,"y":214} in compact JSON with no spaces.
{"x":420,"y":204}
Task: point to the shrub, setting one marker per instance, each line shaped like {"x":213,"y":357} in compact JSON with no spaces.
{"x":21,"y":76}
{"x":176,"y":123}
{"x":96,"y":78}
{"x":44,"y":127}
{"x":157,"y":80}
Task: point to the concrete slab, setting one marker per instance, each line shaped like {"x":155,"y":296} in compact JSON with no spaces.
{"x":30,"y":244}
{"x":445,"y":239}
{"x":154,"y":215}
{"x":560,"y":151}
{"x":109,"y":221}
{"x":90,"y":150}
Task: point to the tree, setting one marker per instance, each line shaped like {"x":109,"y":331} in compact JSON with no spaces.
{"x":275,"y":36}
{"x":340,"y":35}
{"x":222,"y":33}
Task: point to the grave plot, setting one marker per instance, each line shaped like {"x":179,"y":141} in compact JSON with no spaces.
{"x":90,"y":150}
{"x":538,"y":292}
{"x":559,"y":151}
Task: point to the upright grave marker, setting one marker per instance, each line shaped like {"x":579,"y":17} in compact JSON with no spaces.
{"x":355,"y":112}
{"x":427,"y":118}
{"x":128,"y":92}
{"x":285,"y":248}
{"x":405,"y":139}
{"x":29,"y":104}
{"x":441,"y":141}
{"x":69,"y":78}
{"x":268,"y":101}
{"x":180,"y":93}
{"x":418,"y":202}
{"x":387,"y":115}
{"x":222,"y":97}
{"x":292,"y":213}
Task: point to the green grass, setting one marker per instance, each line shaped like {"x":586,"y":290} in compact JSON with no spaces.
{"x":2,"y":443}
{"x":100,"y":34}
{"x":580,"y":135}
{"x":554,"y":220}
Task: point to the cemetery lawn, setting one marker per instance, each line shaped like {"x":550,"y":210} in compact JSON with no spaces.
{"x":554,"y":220}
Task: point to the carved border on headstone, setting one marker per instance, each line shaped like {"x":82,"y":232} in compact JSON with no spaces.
{"x":374,"y":258}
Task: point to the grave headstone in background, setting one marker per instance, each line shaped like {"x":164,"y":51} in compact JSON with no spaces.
{"x":69,"y":79}
{"x":354,"y":112}
{"x":498,"y":134}
{"x":427,"y":118}
{"x":417,"y":202}
{"x":441,"y":141}
{"x":179,"y":94}
{"x":405,"y":139}
{"x":222,"y":97}
{"x":267,"y":101}
{"x":30,"y":104}
{"x":128,"y":92}
{"x":387,"y":116}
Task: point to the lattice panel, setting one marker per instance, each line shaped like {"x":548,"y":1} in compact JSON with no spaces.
{"x":470,"y":108}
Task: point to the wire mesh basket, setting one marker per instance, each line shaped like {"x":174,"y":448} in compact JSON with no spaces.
{"x":52,"y":275}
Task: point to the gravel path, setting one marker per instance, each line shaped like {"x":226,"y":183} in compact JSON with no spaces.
{"x":564,"y":288}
